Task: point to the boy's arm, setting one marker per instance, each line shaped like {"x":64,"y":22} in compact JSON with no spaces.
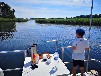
{"x":87,"y":49}
{"x":74,"y":47}
{"x":87,"y":46}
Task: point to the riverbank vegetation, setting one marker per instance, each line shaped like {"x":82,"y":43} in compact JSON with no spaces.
{"x":70,"y":21}
{"x":78,"y":20}
{"x":13,"y":20}
{"x":7,"y":14}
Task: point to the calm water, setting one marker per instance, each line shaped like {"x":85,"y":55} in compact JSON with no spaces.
{"x":20,"y":36}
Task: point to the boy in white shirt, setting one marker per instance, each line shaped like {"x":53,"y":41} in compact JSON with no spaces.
{"x":79,"y":46}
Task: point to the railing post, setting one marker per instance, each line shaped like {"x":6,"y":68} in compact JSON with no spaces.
{"x":56,"y":44}
{"x":1,"y":72}
{"x":89,"y":36}
{"x":62,"y":54}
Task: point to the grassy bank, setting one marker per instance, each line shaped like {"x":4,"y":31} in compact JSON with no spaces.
{"x":13,"y":20}
{"x":70,"y":21}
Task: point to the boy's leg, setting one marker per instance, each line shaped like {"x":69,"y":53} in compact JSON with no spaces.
{"x":74,"y":71}
{"x":82,"y":71}
{"x":82,"y":67}
{"x":74,"y":67}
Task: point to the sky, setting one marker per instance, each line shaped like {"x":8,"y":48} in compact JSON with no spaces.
{"x":53,"y":8}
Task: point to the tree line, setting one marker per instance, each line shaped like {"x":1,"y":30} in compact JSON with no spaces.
{"x":6,"y":11}
{"x":7,"y":14}
{"x":88,"y":16}
{"x":70,"y":21}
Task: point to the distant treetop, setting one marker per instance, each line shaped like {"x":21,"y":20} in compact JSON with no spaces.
{"x":6,"y":11}
{"x":88,"y":16}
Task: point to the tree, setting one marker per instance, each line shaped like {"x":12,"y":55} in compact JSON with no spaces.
{"x":6,"y":11}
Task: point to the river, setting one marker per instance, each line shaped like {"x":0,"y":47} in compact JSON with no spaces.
{"x":20,"y":36}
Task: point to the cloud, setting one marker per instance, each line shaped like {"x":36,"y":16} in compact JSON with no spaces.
{"x":25,"y":8}
{"x":55,"y":2}
{"x":43,"y":12}
{"x":23,"y":12}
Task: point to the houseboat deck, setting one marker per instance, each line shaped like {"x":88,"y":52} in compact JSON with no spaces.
{"x":55,"y":68}
{"x":48,"y":69}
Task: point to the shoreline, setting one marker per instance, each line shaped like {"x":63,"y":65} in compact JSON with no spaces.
{"x":13,"y":20}
{"x":70,"y":21}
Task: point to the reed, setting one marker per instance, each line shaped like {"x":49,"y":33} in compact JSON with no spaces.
{"x":13,"y":20}
{"x":70,"y":21}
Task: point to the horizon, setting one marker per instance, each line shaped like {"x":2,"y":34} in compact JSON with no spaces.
{"x":53,"y":8}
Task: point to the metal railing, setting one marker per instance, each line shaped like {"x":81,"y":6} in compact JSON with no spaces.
{"x":1,"y":72}
{"x":92,"y":72}
{"x":12,"y":69}
{"x":63,"y":48}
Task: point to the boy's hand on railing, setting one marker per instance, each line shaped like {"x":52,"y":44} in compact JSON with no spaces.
{"x":87,"y":49}
{"x":73,"y":47}
{"x":62,"y":48}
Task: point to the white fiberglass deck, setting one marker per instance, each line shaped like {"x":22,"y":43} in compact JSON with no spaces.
{"x":45,"y":69}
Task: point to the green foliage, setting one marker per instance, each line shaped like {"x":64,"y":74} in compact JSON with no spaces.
{"x":6,"y":11}
{"x":13,"y":20}
{"x":88,"y":16}
{"x":6,"y":30}
{"x":70,"y":21}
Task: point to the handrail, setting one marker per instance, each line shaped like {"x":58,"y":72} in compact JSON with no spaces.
{"x":85,"y":61}
{"x":62,"y":59}
{"x":1,"y":72}
{"x":89,"y":35}
{"x":56,"y":43}
{"x":63,"y":51}
{"x":63,"y":62}
{"x":12,"y":69}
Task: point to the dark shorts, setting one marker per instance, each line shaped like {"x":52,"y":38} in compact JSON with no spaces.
{"x":78,"y":62}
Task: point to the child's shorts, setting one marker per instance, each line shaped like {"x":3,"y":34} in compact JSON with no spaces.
{"x":78,"y":62}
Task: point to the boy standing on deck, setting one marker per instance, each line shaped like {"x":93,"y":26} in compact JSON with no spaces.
{"x":79,"y":46}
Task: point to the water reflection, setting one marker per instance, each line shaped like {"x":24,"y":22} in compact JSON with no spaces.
{"x":6,"y":30}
